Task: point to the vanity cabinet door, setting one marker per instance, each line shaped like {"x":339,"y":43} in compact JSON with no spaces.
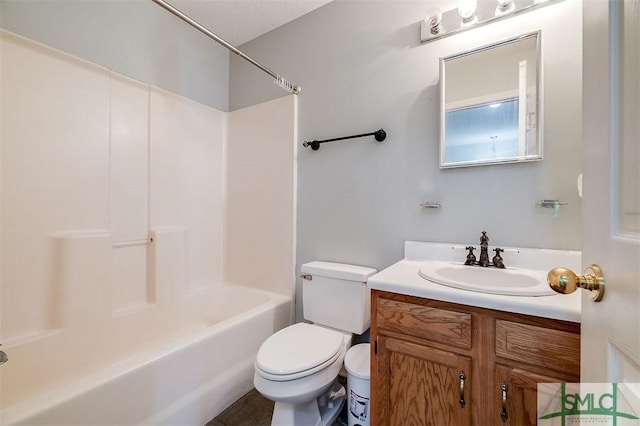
{"x":518,"y":400}
{"x":527,"y":354}
{"x":420,"y":385}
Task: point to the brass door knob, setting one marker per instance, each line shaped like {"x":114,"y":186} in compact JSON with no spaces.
{"x":565,"y":281}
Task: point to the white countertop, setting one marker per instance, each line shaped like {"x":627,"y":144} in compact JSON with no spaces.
{"x":402,"y":277}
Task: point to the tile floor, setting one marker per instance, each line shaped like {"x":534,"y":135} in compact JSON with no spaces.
{"x":254,"y":409}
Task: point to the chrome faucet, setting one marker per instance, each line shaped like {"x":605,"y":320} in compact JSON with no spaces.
{"x":484,"y":254}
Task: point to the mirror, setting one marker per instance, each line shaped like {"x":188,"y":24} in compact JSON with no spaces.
{"x":490,"y":106}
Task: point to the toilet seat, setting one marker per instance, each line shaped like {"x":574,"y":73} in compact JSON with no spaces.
{"x":298,"y":351}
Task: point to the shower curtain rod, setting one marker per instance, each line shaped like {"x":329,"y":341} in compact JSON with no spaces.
{"x":278,"y":79}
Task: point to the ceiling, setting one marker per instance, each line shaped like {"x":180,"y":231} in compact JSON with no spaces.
{"x":238,"y":21}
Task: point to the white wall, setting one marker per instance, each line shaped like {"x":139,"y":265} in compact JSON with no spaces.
{"x":136,"y":38}
{"x":261,"y":205}
{"x":361,"y":67}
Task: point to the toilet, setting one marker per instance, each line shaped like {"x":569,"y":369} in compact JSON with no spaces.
{"x":298,"y":366}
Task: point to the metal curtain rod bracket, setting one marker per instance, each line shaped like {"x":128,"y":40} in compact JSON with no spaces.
{"x":278,"y":79}
{"x":380,"y":135}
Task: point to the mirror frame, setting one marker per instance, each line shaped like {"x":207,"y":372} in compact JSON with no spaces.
{"x":539,"y":110}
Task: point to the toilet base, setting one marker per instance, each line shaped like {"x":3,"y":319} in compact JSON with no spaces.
{"x":322,"y":411}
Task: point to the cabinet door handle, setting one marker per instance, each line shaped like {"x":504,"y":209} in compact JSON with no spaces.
{"x":462,"y":377}
{"x":504,"y":388}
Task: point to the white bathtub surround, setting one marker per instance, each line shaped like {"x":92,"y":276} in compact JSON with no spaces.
{"x":129,"y":158}
{"x":261,"y":195}
{"x":115,"y":304}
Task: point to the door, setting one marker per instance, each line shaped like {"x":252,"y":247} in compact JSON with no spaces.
{"x":611,"y":205}
{"x":427,"y":386}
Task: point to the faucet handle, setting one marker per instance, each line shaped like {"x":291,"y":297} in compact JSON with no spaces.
{"x":471,"y":258}
{"x":497,"y":259}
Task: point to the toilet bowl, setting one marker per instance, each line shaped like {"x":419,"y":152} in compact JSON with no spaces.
{"x":295,"y":377}
{"x":300,"y":362}
{"x":298,"y":366}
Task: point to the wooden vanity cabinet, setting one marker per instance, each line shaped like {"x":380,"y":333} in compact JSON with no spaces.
{"x":440,"y":363}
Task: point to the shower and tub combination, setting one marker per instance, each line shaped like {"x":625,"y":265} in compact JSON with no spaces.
{"x":187,"y":376}
{"x":137,"y":284}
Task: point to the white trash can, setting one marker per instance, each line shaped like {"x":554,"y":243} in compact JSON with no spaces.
{"x":356,"y":362}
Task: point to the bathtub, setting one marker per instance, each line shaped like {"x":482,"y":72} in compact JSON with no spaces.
{"x":186,"y":377}
{"x":121,"y":219}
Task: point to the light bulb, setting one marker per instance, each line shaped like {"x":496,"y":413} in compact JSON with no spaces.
{"x":505,"y":7}
{"x":434,"y":20}
{"x":467,"y":11}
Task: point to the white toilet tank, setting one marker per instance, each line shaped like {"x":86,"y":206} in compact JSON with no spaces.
{"x":336,"y":295}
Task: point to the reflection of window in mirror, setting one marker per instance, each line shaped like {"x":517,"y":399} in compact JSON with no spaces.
{"x":490,"y":105}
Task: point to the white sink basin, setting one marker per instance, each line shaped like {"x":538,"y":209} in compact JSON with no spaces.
{"x":509,"y":281}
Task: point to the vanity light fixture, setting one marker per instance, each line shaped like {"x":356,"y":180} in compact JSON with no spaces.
{"x":473,"y":13}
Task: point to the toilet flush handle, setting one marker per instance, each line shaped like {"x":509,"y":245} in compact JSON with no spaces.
{"x":306,"y":277}
{"x":3,"y":357}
